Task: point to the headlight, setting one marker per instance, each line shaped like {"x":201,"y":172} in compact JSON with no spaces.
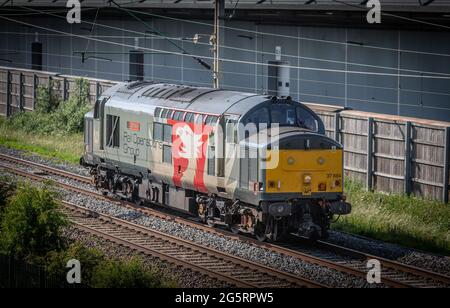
{"x":307,"y":179}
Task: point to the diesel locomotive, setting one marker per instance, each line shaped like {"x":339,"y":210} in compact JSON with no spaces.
{"x":254,"y":163}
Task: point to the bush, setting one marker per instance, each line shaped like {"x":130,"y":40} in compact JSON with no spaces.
{"x":53,"y":117}
{"x":7,"y":188}
{"x":36,"y":123}
{"x":127,"y":274}
{"x":47,"y":101}
{"x":100,"y":272}
{"x":32,"y":223}
{"x":89,"y":259}
{"x":71,"y":113}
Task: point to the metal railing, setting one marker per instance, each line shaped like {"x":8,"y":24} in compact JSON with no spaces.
{"x":15,"y":273}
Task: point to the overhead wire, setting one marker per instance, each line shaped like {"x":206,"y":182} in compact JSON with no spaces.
{"x":232,"y":60}
{"x":279,"y":35}
{"x":298,"y":93}
{"x":296,"y":56}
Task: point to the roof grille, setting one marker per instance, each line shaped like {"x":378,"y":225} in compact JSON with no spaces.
{"x":133,"y":87}
{"x":138,"y":84}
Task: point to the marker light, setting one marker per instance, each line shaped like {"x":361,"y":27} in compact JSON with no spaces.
{"x":322,"y":187}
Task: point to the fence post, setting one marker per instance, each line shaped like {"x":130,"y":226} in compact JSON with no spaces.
{"x":446,"y":165}
{"x":21,"y":91}
{"x":8,"y":93}
{"x":369,"y":180}
{"x":65,"y":89}
{"x":337,"y":127}
{"x":35,"y":86}
{"x":97,"y":90}
{"x":408,"y":136}
{"x":50,"y":86}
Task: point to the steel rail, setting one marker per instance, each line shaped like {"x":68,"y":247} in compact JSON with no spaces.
{"x":341,"y":266}
{"x":274,"y":277}
{"x":250,"y":274}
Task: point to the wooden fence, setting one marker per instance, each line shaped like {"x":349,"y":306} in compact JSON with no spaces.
{"x":390,"y":153}
{"x":387,"y":153}
{"x":18,"y":88}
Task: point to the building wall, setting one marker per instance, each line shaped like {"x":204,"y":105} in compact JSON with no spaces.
{"x":323,"y":62}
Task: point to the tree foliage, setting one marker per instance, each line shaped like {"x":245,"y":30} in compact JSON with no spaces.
{"x":127,"y":274}
{"x":71,"y":113}
{"x":98,"y":271}
{"x":7,"y":189}
{"x":47,"y":101}
{"x":89,"y":258}
{"x":32,"y":223}
{"x":31,"y":228}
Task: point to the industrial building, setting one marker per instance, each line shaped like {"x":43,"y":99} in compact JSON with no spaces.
{"x":323,"y":51}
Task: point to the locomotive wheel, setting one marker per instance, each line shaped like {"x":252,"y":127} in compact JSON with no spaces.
{"x":280,"y":231}
{"x":260,"y":232}
{"x":210,"y":222}
{"x":275,"y":234}
{"x":234,"y":229}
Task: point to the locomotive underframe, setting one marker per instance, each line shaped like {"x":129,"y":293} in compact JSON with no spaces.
{"x":270,"y":220}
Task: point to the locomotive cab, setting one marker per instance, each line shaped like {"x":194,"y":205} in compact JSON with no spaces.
{"x":291,"y":171}
{"x":306,"y":183}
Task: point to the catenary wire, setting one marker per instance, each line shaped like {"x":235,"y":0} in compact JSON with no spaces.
{"x":231,"y":60}
{"x":237,"y":73}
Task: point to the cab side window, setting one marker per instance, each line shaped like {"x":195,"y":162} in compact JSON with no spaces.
{"x":99,"y":107}
{"x":307,"y":120}
{"x":167,"y":134}
{"x":113,"y":131}
{"x":158,"y":131}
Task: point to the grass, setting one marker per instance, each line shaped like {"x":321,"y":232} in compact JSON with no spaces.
{"x":61,"y":148}
{"x":408,"y":221}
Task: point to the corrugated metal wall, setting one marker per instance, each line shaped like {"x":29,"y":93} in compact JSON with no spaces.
{"x":322,"y":60}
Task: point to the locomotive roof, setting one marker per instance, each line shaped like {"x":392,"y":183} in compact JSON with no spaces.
{"x":147,"y":95}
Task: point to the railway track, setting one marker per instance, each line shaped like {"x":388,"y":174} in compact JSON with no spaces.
{"x":393,"y":274}
{"x":216,"y":264}
{"x":348,"y":261}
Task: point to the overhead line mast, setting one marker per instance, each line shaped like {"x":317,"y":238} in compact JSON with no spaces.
{"x":219,"y":13}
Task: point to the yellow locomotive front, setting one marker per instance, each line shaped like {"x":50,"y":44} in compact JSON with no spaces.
{"x":307,"y":172}
{"x":300,"y":175}
{"x":303,"y":187}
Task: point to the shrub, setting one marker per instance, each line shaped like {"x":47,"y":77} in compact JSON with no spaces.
{"x":89,"y":259}
{"x":36,"y":123}
{"x":7,"y":188}
{"x":47,"y":101}
{"x":71,"y":113}
{"x":32,"y":223}
{"x":53,"y":117}
{"x":128,"y":274}
{"x":100,"y":272}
